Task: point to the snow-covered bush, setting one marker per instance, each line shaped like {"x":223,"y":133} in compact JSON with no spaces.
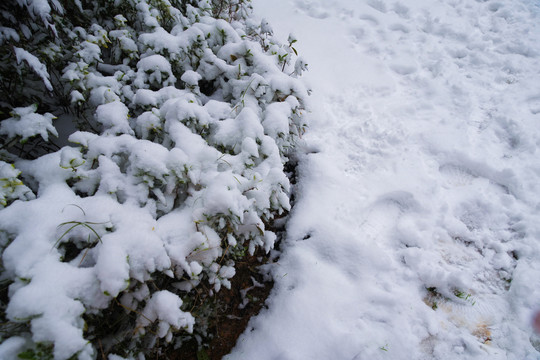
{"x":142,"y":153}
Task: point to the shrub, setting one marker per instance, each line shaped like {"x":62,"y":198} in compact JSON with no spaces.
{"x":142,"y":153}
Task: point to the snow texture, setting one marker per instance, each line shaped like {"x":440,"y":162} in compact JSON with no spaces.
{"x":415,"y":231}
{"x":26,"y":123}
{"x":37,"y":66}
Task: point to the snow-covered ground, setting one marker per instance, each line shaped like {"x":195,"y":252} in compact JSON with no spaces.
{"x":416,"y":234}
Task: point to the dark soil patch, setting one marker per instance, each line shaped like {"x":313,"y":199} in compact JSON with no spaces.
{"x":230,"y":320}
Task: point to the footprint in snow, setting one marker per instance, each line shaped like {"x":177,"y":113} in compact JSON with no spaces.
{"x":384,"y":213}
{"x":401,"y":10}
{"x":457,"y":175}
{"x":377,"y":5}
{"x":495,"y":6}
{"x":399,"y":28}
{"x":369,"y":19}
{"x":480,"y":316}
{"x":312,"y":9}
{"x":357,"y":34}
{"x":457,"y":52}
{"x":534,"y":105}
{"x":463,"y":171}
{"x":403,"y":68}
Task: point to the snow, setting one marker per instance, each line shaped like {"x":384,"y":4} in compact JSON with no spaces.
{"x":158,"y":308}
{"x":11,"y":187}
{"x":11,"y":347}
{"x":114,"y":118}
{"x":415,"y":230}
{"x":26,"y":123}
{"x":191,"y":78}
{"x":7,"y":34}
{"x":154,"y":69}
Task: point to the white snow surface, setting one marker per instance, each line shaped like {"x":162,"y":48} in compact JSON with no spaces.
{"x":37,"y":66}
{"x":420,"y":172}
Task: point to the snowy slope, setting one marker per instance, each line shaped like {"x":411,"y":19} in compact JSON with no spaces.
{"x":416,"y":234}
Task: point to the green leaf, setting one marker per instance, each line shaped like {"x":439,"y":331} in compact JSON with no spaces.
{"x":28,"y":354}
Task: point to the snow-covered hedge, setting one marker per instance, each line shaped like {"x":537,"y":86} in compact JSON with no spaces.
{"x":142,"y":151}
